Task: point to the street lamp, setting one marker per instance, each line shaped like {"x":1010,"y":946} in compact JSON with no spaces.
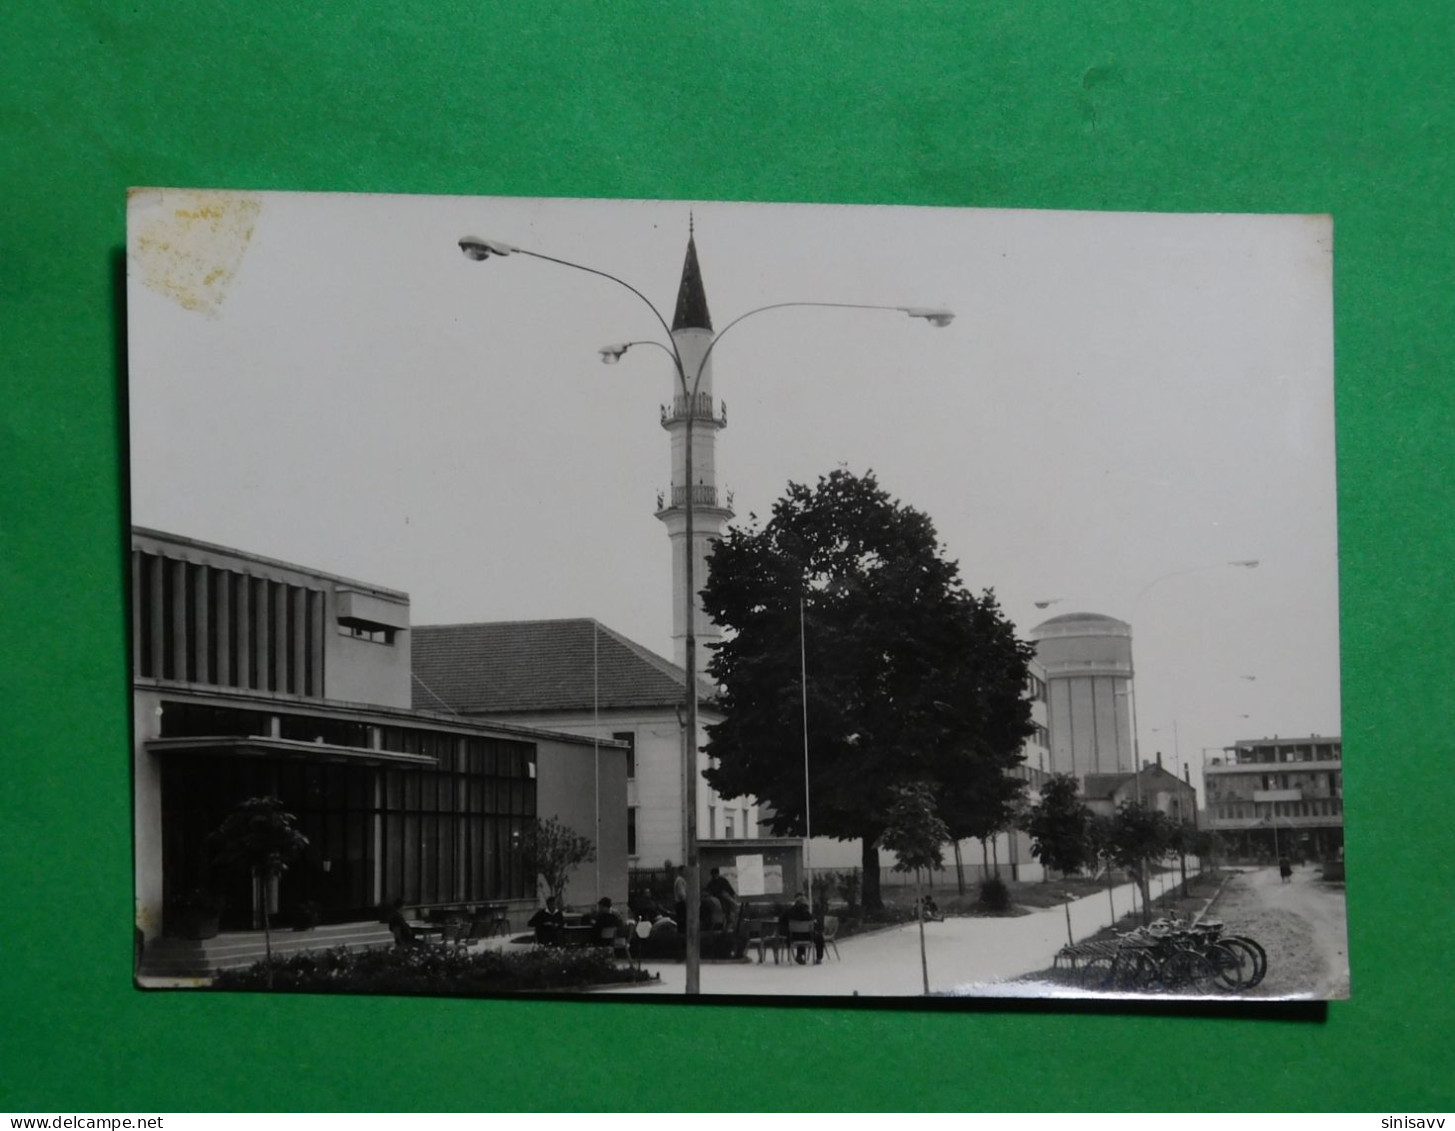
{"x":1241,"y":563}
{"x":478,"y":248}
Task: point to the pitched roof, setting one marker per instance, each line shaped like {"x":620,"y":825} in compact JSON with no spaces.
{"x":528,"y":666}
{"x":691,"y":298}
{"x":1105,"y":786}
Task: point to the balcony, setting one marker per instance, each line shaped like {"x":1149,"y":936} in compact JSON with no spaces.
{"x":1223,"y":767}
{"x":703,"y":495}
{"x":702,"y":407}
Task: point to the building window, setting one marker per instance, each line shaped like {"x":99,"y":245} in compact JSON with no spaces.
{"x":359,"y":631}
{"x":712,"y":822}
{"x":630,"y":738}
{"x":631,"y":830}
{"x":728,"y":825}
{"x":208,"y":625}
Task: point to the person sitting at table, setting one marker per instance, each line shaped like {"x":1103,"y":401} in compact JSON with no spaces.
{"x":548,"y":922}
{"x":608,"y":922}
{"x":606,"y":915}
{"x":800,"y":912}
{"x":399,"y":927}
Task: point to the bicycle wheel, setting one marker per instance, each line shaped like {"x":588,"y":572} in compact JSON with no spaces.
{"x":1233,"y":965}
{"x":1132,"y":970}
{"x":1259,"y":956}
{"x":1097,"y":971}
{"x":1187,"y":972}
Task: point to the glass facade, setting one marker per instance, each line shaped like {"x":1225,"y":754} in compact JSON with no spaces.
{"x":446,"y":833}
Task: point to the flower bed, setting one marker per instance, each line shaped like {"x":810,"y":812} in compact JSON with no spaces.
{"x":433,"y":971}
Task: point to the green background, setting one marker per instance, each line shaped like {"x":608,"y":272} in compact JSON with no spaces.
{"x":1243,"y":105}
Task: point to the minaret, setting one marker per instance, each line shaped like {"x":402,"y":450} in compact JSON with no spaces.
{"x":692,"y":333}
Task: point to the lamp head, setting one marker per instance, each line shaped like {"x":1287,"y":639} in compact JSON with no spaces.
{"x":932,"y":315}
{"x":474,"y":247}
{"x":610,"y":355}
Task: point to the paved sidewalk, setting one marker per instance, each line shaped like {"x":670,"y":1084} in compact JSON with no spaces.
{"x":966,"y":956}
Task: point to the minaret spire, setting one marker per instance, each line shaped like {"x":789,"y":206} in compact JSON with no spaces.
{"x":691,"y":297}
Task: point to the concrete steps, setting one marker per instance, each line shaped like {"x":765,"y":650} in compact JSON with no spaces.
{"x":201,"y":958}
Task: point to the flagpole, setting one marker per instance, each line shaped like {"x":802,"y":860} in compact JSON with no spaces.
{"x":596,"y":742}
{"x":807,"y":813}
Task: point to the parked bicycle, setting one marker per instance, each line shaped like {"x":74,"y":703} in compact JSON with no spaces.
{"x":1169,"y":955}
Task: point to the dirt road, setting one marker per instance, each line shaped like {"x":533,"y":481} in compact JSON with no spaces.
{"x":1301,"y":924}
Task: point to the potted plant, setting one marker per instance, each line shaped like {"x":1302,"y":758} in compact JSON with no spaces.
{"x":194,"y":915}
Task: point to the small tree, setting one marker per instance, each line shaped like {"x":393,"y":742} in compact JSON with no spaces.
{"x":914,"y":832}
{"x":553,"y":850}
{"x":1098,"y":848}
{"x":263,"y":836}
{"x":1059,"y":825}
{"x":1138,"y":835}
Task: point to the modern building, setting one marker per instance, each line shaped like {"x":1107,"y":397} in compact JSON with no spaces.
{"x":581,"y":677}
{"x":255,"y":677}
{"x":1269,"y":796}
{"x":693,"y":335}
{"x":1087,"y":658}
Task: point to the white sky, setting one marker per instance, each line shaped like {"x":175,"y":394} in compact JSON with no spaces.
{"x":1120,"y":397}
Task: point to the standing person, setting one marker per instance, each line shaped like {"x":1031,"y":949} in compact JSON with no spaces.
{"x":679,"y":894}
{"x":720,"y":887}
{"x":1285,"y":867}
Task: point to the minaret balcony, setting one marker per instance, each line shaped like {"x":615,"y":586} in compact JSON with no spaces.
{"x":701,"y":411}
{"x":703,"y":495}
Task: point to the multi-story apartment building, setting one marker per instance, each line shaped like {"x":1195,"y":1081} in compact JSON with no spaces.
{"x":1270,"y":796}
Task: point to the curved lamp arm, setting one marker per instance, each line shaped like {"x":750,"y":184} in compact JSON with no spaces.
{"x":479,"y":248}
{"x":934,"y":317}
{"x":1244,"y":563}
{"x":611,"y":354}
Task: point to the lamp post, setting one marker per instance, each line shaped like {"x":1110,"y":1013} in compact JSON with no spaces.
{"x":477,"y":248}
{"x":1242,"y":563}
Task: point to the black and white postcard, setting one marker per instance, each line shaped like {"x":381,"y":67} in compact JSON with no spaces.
{"x":660,"y":598}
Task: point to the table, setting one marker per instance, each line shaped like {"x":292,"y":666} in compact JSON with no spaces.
{"x":427,"y":931}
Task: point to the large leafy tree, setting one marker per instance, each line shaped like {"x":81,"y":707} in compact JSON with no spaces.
{"x":910,"y":677}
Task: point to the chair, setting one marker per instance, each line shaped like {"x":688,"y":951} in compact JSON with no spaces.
{"x":830,"y":933}
{"x":499,"y":919}
{"x":763,"y":934}
{"x":474,"y":934}
{"x":800,"y":939}
{"x":451,"y":931}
